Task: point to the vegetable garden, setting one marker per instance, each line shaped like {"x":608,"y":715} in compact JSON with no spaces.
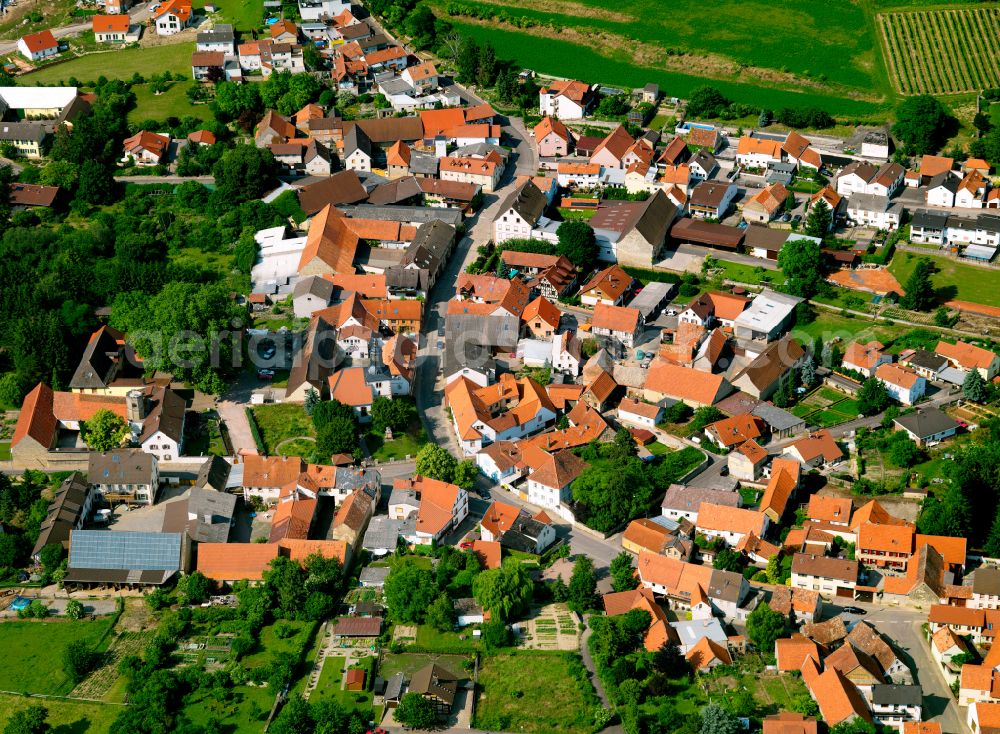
{"x":943,"y":51}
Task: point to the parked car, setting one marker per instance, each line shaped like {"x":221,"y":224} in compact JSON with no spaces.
{"x":465,"y":545}
{"x":265,"y":375}
{"x":441,"y":330}
{"x":855,"y":610}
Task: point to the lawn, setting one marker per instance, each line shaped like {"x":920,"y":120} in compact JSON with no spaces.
{"x":967,"y":282}
{"x":657,"y":449}
{"x":171,"y":103}
{"x":271,"y":643}
{"x":202,"y":437}
{"x":33,"y":652}
{"x":745,"y":273}
{"x":244,"y":713}
{"x":245,"y":15}
{"x":330,"y":678}
{"x":534,"y":692}
{"x":830,"y":326}
{"x":409,"y":663}
{"x":401,"y":446}
{"x":820,"y":55}
{"x":118,"y":64}
{"x":65,"y":717}
{"x":5,"y":451}
{"x":826,"y":407}
{"x":278,"y":421}
{"x":432,"y":640}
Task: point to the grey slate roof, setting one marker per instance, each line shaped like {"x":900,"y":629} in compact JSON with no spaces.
{"x":124,"y":466}
{"x":527,"y":200}
{"x":926,"y":422}
{"x":64,"y":512}
{"x":430,"y":245}
{"x":314,"y":285}
{"x":687,"y":499}
{"x":778,"y":419}
{"x":214,"y":474}
{"x":897,"y":695}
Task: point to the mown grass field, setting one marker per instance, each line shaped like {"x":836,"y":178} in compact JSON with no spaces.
{"x":33,"y":652}
{"x":969,"y":283}
{"x":171,"y":103}
{"x":787,"y":53}
{"x":942,"y":51}
{"x":117,"y":64}
{"x":65,"y":717}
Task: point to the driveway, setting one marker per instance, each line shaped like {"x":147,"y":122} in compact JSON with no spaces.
{"x":232,"y":409}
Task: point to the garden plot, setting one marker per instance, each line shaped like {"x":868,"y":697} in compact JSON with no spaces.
{"x":100,"y":682}
{"x":826,"y":407}
{"x":553,"y":627}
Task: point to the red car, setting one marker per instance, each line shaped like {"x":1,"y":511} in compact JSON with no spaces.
{"x":465,"y":545}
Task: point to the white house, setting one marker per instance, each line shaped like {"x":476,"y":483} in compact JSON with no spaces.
{"x":521,"y":216}
{"x":173,"y":17}
{"x":903,"y":384}
{"x":550,"y":483}
{"x":566,"y":356}
{"x":566,"y":99}
{"x":322,"y":9}
{"x":942,"y":189}
{"x":874,"y":211}
{"x":757,"y":152}
{"x":638,"y":413}
{"x":38,"y":46}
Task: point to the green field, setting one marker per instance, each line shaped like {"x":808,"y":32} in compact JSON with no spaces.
{"x":534,"y":692}
{"x":826,"y":407}
{"x":65,"y":717}
{"x":117,"y":64}
{"x":245,"y":15}
{"x":830,"y":326}
{"x":401,"y":445}
{"x":970,"y":283}
{"x":33,"y":652}
{"x":279,"y":421}
{"x":171,"y":103}
{"x":792,"y":53}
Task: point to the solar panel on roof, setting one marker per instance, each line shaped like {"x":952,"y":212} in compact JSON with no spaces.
{"x":125,"y":550}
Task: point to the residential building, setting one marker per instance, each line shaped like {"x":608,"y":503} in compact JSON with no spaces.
{"x":113,"y":29}
{"x":516,"y":529}
{"x":763,"y":376}
{"x":942,"y":189}
{"x":608,"y":287}
{"x":618,"y":323}
{"x":865,"y":358}
{"x":766,"y":204}
{"x":711,"y":199}
{"x":754,"y":152}
{"x":131,"y":476}
{"x":903,"y":384}
{"x":746,"y":462}
{"x":441,"y":507}
{"x":963,"y":355}
{"x":552,"y":137}
{"x":818,"y":449}
{"x":927,"y":426}
{"x":565,"y":99}
{"x":146,"y":148}
{"x":38,"y":46}
{"x":767,"y":318}
{"x":694,"y":387}
{"x":646,"y":415}
{"x":872,"y":210}
{"x":832,"y":577}
{"x":521,"y":216}
{"x":731,"y":524}
{"x":172,"y":17}
{"x":68,"y":511}
{"x":549,"y":484}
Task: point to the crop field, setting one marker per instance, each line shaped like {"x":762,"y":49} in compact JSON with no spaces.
{"x":942,"y":51}
{"x":787,"y":53}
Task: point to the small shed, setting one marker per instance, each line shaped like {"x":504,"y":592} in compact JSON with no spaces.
{"x":395,"y":687}
{"x":355,"y":680}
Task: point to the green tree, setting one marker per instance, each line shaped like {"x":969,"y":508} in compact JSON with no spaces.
{"x":104,"y":431}
{"x":465,"y":475}
{"x":873,"y":397}
{"x":415,"y":712}
{"x":819,"y":220}
{"x":670,"y":661}
{"x":495,"y":634}
{"x":467,"y":60}
{"x":339,"y":436}
{"x":801,"y":263}
{"x":974,"y":387}
{"x":577,"y":242}
{"x":31,"y":720}
{"x":903,"y":452}
{"x":922,"y":124}
{"x":311,"y":401}
{"x":79,"y":660}
{"x":856,"y":726}
{"x":194,"y":587}
{"x":582,"y":585}
{"x":716,"y":720}
{"x":246,"y":252}
{"x":243,"y":173}
{"x":394,"y":413}
{"x":74,"y":609}
{"x":622,"y":572}
{"x":992,"y":546}
{"x":773,"y":570}
{"x":296,"y":717}
{"x":506,"y":591}
{"x":919,"y":295}
{"x":441,"y":614}
{"x":706,"y":101}
{"x":728,"y":560}
{"x":409,"y":591}
{"x":285,"y":581}
{"x":764,"y":626}
{"x":436,"y":462}
{"x":95,"y":185}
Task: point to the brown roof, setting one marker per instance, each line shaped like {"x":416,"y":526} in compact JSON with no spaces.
{"x":343,"y":187}
{"x":966,"y":355}
{"x":357,"y":627}
{"x":615,"y":318}
{"x":612,"y":282}
{"x":791,"y":652}
{"x":684,"y":383}
{"x":330,"y":240}
{"x":730,"y":519}
{"x":832,"y":568}
{"x":737,"y":429}
{"x":206,"y":58}
{"x":549,"y":125}
{"x":270,"y":471}
{"x":235,"y":561}
{"x":23,"y":194}
{"x":825,"y":508}
{"x":791,"y":723}
{"x":886,"y":538}
{"x":707,"y":233}
{"x":825,"y":633}
{"x":40,"y":41}
{"x":932,"y":165}
{"x":646,"y":534}
{"x":819,"y":443}
{"x":111,"y":23}
{"x":838,"y":699}
{"x":559,"y":470}
{"x":488,"y":552}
